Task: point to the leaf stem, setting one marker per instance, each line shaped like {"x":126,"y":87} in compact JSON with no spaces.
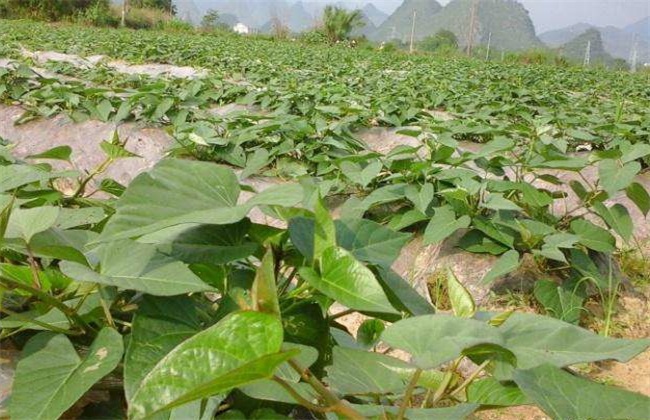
{"x":341,"y":314}
{"x":33,"y":265}
{"x":406,"y":402}
{"x":69,"y":312}
{"x":334,"y":403}
{"x":470,"y":378}
{"x":302,"y":401}
{"x":45,"y":325}
{"x":100,"y":169}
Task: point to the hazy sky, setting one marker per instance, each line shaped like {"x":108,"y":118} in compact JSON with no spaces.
{"x":554,"y":14}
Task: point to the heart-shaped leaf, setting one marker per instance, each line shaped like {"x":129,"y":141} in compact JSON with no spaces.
{"x":51,"y":377}
{"x":241,"y":348}
{"x":347,"y":281}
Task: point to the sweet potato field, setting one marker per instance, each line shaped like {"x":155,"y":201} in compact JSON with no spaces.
{"x":259,"y":269}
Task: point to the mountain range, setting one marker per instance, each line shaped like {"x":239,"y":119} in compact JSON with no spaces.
{"x":506,"y":23}
{"x":296,"y":15}
{"x":576,"y":48}
{"x":617,"y":42}
{"x":640,"y":28}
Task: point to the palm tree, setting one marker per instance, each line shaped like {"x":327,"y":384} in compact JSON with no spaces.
{"x":339,"y":23}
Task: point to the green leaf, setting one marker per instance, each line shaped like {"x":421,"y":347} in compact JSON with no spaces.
{"x":461,"y":300}
{"x":239,"y":349}
{"x":564,"y":396}
{"x":172,"y":193}
{"x":347,"y":281}
{"x":51,"y":377}
{"x":62,"y":244}
{"x":559,"y":302}
{"x":615,"y":177}
{"x":457,"y":412}
{"x":639,"y":196}
{"x":553,"y":243}
{"x":57,"y":153}
{"x":402,"y":295}
{"x":104,"y":109}
{"x":536,"y":339}
{"x":179,"y":192}
{"x":305,"y":357}
{"x":507,"y":263}
{"x":421,"y":198}
{"x":50,"y":278}
{"x":269,"y":390}
{"x":359,"y":372}
{"x":70,"y":218}
{"x":123,"y":111}
{"x":443,"y":224}
{"x":534,"y":197}
{"x":491,"y":392}
{"x":210,"y":244}
{"x":115,"y":150}
{"x":15,"y":176}
{"x":5,"y":214}
{"x":435,"y":339}
{"x":25,"y":223}
{"x":324,"y":230}
{"x":369,"y":241}
{"x":617,"y":217}
{"x":369,"y":332}
{"x":112,"y":187}
{"x":400,"y":221}
{"x":162,"y":108}
{"x":135,"y":266}
{"x":361,"y":175}
{"x":635,"y":152}
{"x":159,"y":325}
{"x":255,"y":162}
{"x":264,"y":293}
{"x":494,"y":231}
{"x":592,"y":236}
{"x":499,"y":202}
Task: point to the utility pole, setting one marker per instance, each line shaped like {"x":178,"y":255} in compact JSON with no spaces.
{"x":412,"y":32}
{"x":635,"y":55}
{"x":472,"y":23}
{"x":124,"y":7}
{"x":487,"y":53}
{"x":587,"y":55}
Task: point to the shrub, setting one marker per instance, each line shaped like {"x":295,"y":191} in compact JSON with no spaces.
{"x":338,"y":23}
{"x":174,"y":25}
{"x":443,"y":41}
{"x":99,"y":14}
{"x":314,"y":36}
{"x":145,"y":18}
{"x":51,"y":10}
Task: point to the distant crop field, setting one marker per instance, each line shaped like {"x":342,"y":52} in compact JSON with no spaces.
{"x":323,"y":233}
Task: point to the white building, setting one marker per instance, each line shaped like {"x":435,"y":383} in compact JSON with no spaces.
{"x":240,"y":28}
